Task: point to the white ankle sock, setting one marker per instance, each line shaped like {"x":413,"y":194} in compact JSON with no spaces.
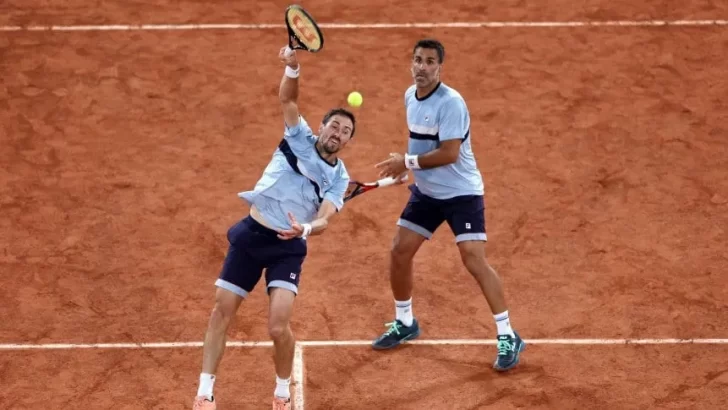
{"x":504,"y":324}
{"x":283,"y":388}
{"x":207,"y":382}
{"x":403,"y":311}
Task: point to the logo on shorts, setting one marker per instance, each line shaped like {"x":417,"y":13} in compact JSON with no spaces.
{"x":467,"y":225}
{"x":293,"y":275}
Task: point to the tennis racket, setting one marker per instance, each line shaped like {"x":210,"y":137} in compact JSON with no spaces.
{"x":303,"y":32}
{"x":357,"y":188}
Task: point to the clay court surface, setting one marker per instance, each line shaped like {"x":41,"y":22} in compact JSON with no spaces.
{"x":606,"y":165}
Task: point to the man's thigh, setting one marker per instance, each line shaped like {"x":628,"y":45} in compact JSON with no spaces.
{"x":466,"y":217}
{"x":421,"y":215}
{"x":285,"y":264}
{"x":240,"y":272}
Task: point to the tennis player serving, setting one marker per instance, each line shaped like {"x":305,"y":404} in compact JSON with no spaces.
{"x":302,"y":187}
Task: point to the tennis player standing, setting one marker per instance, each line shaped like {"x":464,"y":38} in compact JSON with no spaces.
{"x":449,"y":187}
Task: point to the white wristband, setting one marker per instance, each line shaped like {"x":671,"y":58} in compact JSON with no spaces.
{"x":306,"y":230}
{"x":291,"y":72}
{"x":410,"y":162}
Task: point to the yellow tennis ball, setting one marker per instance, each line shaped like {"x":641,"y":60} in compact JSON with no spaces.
{"x":354,"y":99}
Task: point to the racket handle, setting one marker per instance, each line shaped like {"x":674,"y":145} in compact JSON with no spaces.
{"x":390,"y":181}
{"x":288,"y":51}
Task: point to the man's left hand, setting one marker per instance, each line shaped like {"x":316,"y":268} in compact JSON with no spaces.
{"x":392,"y":167}
{"x":295,"y":231}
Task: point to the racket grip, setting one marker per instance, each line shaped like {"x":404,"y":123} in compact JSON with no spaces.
{"x":390,"y":181}
{"x":288,"y":51}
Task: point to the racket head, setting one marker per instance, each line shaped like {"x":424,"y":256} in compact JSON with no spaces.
{"x":303,"y":32}
{"x":357,"y":188}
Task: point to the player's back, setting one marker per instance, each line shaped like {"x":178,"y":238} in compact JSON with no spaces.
{"x":442,"y":115}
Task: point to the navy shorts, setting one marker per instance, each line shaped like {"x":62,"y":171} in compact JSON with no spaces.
{"x":465,"y":214}
{"x":254,"y":248}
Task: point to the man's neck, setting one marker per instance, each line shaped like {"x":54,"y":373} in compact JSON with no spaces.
{"x":330,"y":158}
{"x":424,"y":92}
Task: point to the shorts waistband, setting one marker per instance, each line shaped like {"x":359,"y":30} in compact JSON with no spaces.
{"x":257,"y":227}
{"x":452,"y":200}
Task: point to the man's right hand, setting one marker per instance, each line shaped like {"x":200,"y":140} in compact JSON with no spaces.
{"x":402,"y":178}
{"x":288,"y":57}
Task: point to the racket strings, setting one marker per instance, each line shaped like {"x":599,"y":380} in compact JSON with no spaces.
{"x":304,"y":29}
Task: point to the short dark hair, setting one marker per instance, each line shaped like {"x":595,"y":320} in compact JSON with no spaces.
{"x":433,"y":44}
{"x":345,"y":113}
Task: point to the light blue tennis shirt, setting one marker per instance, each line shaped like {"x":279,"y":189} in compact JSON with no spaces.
{"x":297,"y":180}
{"x":440,"y":116}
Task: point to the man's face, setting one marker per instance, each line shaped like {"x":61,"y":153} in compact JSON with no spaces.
{"x":425,"y":67}
{"x":336,"y":133}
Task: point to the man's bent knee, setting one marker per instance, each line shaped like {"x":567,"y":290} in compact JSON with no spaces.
{"x":226,"y":306}
{"x":405,"y":244}
{"x":281,"y":309}
{"x":472,"y":253}
{"x":278,"y":330}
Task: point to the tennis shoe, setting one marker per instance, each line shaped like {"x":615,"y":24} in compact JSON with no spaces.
{"x":204,"y":403}
{"x":281,"y":404}
{"x":396,"y":335}
{"x":509,"y":352}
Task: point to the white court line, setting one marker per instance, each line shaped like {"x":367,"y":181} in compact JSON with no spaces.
{"x":335,"y":343}
{"x":480,"y":342}
{"x":160,"y":345}
{"x":464,"y":24}
{"x":298,"y":377}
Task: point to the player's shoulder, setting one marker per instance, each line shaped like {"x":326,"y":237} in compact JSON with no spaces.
{"x":451,"y":99}
{"x":338,"y":174}
{"x":342,"y":171}
{"x":447,"y":93}
{"x":409,"y":93}
{"x":301,"y":128}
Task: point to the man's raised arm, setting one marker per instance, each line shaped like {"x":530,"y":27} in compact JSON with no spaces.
{"x":288,"y":93}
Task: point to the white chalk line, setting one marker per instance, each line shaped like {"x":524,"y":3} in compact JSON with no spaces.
{"x":384,"y":26}
{"x":344,"y":343}
{"x":298,"y":377}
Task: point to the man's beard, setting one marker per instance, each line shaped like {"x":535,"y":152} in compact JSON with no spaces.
{"x":331,"y":148}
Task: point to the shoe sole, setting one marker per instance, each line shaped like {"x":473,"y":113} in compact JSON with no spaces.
{"x":412,"y":336}
{"x":515,"y":362}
